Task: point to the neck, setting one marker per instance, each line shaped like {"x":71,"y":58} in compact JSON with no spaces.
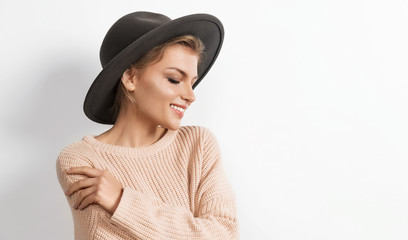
{"x":131,"y":130}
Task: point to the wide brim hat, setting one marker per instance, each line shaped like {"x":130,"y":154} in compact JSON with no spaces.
{"x":130,"y":38}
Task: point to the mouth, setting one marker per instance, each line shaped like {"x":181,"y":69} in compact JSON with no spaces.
{"x":178,"y":110}
{"x":181,"y":109}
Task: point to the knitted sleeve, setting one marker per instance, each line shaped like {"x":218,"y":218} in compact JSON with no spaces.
{"x":85,"y":221}
{"x":147,"y":217}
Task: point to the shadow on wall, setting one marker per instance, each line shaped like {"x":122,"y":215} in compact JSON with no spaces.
{"x":49,"y":117}
{"x":56,"y":105}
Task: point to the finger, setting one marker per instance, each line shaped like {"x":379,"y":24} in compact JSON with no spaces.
{"x":83,"y":194}
{"x":84,"y":183}
{"x":88,"y":171}
{"x":87,"y":201}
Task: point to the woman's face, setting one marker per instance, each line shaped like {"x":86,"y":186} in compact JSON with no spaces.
{"x":164,"y":83}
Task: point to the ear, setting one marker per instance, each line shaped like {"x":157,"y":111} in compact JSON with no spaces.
{"x":129,"y":79}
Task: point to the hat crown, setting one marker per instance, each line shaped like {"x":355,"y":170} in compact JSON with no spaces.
{"x":126,"y":30}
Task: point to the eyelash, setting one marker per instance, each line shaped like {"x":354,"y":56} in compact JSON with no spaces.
{"x":173,"y":81}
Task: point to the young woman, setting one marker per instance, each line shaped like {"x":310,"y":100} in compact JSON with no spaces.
{"x":147,"y":177}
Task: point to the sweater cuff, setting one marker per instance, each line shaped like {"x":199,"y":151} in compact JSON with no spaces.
{"x":131,"y":208}
{"x":122,"y":211}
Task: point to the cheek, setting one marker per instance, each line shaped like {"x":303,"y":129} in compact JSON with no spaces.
{"x":158,"y":94}
{"x":164,"y":92}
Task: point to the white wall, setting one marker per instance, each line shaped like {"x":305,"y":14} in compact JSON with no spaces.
{"x":308,"y":100}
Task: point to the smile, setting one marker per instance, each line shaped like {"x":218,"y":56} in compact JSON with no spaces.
{"x":177,"y":108}
{"x":179,"y":111}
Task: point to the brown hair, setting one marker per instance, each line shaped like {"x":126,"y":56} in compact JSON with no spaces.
{"x":123,"y":97}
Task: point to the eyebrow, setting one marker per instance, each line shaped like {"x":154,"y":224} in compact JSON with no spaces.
{"x":182,"y":72}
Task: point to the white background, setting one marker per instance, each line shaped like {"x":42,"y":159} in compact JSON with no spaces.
{"x":308,"y":100}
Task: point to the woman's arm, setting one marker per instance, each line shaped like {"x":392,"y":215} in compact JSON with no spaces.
{"x":85,"y":221}
{"x":143,"y":216}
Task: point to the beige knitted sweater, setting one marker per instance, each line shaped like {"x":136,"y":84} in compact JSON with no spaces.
{"x":175,"y":188}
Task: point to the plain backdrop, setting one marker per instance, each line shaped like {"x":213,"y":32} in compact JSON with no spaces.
{"x":308,"y":100}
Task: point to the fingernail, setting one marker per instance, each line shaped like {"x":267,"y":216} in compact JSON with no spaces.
{"x":69,"y":169}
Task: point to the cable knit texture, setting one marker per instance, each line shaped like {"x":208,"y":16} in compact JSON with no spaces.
{"x":175,"y":188}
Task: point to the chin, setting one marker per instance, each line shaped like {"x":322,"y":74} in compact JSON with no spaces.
{"x":174,"y":126}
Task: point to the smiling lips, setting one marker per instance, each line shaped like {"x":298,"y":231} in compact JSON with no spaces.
{"x":179,"y":110}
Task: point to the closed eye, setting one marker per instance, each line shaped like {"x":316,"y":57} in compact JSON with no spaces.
{"x":173,"y":81}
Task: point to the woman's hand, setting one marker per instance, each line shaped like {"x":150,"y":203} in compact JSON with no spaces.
{"x":101,"y":188}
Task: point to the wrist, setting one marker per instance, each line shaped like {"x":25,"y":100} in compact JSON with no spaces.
{"x":115,"y":206}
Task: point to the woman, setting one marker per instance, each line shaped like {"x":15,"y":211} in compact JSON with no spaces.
{"x":148,"y":177}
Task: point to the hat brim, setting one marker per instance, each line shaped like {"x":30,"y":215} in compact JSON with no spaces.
{"x":100,"y":96}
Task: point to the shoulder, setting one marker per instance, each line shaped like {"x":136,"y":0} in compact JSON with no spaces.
{"x":207,"y":143}
{"x":75,"y":154}
{"x":199,"y":135}
{"x":196,"y":132}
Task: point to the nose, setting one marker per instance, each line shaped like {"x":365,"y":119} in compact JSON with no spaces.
{"x":188,"y":94}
